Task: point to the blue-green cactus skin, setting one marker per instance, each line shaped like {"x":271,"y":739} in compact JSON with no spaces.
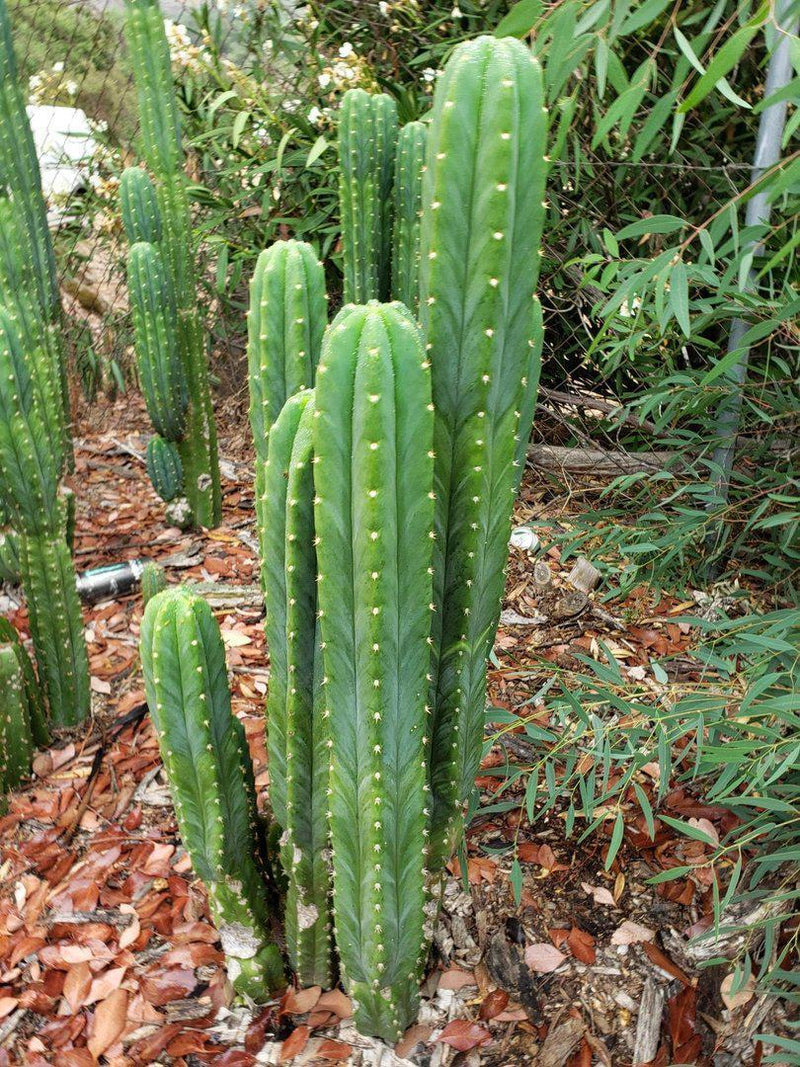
{"x":9,"y":551}
{"x":153,"y":581}
{"x":528,"y":408}
{"x":297,"y":729}
{"x":285,"y":323}
{"x":373,"y":436}
{"x":163,"y":151}
{"x":407,"y":213}
{"x":155,"y":318}
{"x":37,"y":713}
{"x":482,"y":220}
{"x":164,"y":468}
{"x":367,"y":145}
{"x":141,"y":216}
{"x":20,"y":180}
{"x":205,"y":755}
{"x":30,"y":464}
{"x":16,"y":743}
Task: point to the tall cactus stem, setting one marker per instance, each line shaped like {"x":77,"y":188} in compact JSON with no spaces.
{"x":531,"y":383}
{"x":407,"y":213}
{"x":367,"y":146}
{"x":482,"y":221}
{"x":373,"y":437}
{"x":208,"y":765}
{"x":141,"y":216}
{"x":304,"y":728}
{"x":161,"y":141}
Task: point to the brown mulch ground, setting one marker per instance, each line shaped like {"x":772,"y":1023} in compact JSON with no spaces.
{"x":106,"y":951}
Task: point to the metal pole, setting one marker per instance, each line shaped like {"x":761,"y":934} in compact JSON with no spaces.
{"x":767,"y":154}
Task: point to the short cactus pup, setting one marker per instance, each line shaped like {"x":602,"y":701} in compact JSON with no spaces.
{"x":482,"y":216}
{"x":373,"y":473}
{"x":297,"y":729}
{"x":22,"y":724}
{"x":210,"y":773}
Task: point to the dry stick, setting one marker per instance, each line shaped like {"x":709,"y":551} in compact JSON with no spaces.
{"x":589,"y":402}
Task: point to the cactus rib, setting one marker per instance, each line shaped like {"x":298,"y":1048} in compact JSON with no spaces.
{"x":407,"y":212}
{"x":16,"y":744}
{"x":374,"y":518}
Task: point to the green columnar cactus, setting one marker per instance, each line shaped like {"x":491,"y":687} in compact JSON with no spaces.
{"x":9,"y":550}
{"x":285,"y":322}
{"x":153,"y":581}
{"x":20,"y":180}
{"x":296,"y":728}
{"x":205,"y":755}
{"x":367,"y":145}
{"x":16,"y":743}
{"x":531,"y":383}
{"x":373,"y":437}
{"x":161,"y":141}
{"x":36,"y":708}
{"x":138,"y":202}
{"x":30,"y":464}
{"x":164,"y":468}
{"x":161,"y":369}
{"x":407,"y":212}
{"x":482,"y":221}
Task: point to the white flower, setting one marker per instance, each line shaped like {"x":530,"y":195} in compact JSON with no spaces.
{"x":71,"y":87}
{"x":429,"y":74}
{"x":314,"y":115}
{"x":346,"y":50}
{"x":384,"y":8}
{"x":324,"y":80}
{"x":58,"y":67}
{"x":456,"y":13}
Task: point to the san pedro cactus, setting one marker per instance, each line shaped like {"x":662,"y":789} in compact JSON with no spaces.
{"x":9,"y":550}
{"x":407,"y":213}
{"x":16,"y":743}
{"x":20,"y":181}
{"x":37,"y":712}
{"x":153,"y":581}
{"x":164,"y":468}
{"x":141,"y":217}
{"x":297,"y":729}
{"x":373,"y":438}
{"x":367,"y":145}
{"x":285,"y":322}
{"x":206,"y":759}
{"x":482,"y":221}
{"x":169,"y":231}
{"x":30,"y":465}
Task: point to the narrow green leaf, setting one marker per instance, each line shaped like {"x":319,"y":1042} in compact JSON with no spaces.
{"x":679,"y":296}
{"x":520,"y":20}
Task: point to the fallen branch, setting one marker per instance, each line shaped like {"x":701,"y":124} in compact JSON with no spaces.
{"x":593,"y":404}
{"x":596,"y":461}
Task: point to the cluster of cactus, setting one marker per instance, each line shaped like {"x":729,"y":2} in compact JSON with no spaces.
{"x":388,"y":453}
{"x":22,"y":715}
{"x":35,"y":445}
{"x":169,"y":336}
{"x":31,"y":461}
{"x":28,"y":283}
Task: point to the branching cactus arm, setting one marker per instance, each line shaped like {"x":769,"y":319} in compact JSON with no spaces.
{"x":407,"y":213}
{"x":285,"y":322}
{"x":482,"y":221}
{"x":374,"y":518}
{"x":207,"y":763}
{"x":33,"y":692}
